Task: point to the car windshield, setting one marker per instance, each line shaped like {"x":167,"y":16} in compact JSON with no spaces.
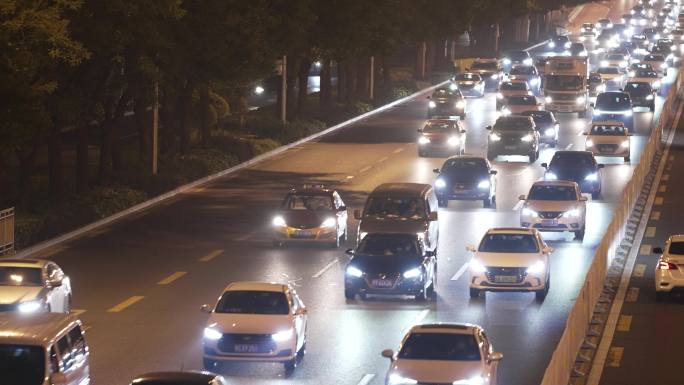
{"x":613,"y":102}
{"x":508,"y":243}
{"x":395,"y":207}
{"x":462,"y":170}
{"x":308,"y":202}
{"x":654,"y":58}
{"x":388,"y":245}
{"x":523,"y":70}
{"x":645,"y":74}
{"x":440,"y":346}
{"x":518,"y":55}
{"x":634,"y":88}
{"x":561,"y":39}
{"x":522,"y":100}
{"x":21,"y":276}
{"x":22,"y":364}
{"x":572,"y":159}
{"x":608,"y":70}
{"x":253,"y":302}
{"x":563,"y":82}
{"x":513,"y":86}
{"x":434,"y":127}
{"x":485,"y":66}
{"x":595,"y":78}
{"x":512,"y":123}
{"x":587,"y":25}
{"x":540,"y":117}
{"x":676,"y":248}
{"x":616,"y":56}
{"x":552,"y":193}
{"x":467,"y":77}
{"x":443,"y":93}
{"x":607,"y":129}
{"x":577,"y":46}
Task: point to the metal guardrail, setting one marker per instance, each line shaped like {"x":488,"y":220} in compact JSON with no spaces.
{"x":576,"y":327}
{"x":7,"y":231}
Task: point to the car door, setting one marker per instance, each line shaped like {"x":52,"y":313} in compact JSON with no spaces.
{"x":433,"y":226}
{"x":300,"y":318}
{"x":341,"y":213}
{"x":56,"y":292}
{"x":490,"y":365}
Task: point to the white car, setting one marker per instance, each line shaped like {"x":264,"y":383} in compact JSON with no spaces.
{"x":615,"y":60}
{"x":669,"y":271}
{"x":608,"y":138}
{"x":519,"y":104}
{"x":256,"y":321}
{"x":556,"y":205}
{"x":33,"y":285}
{"x":444,"y":353}
{"x":511,"y":88}
{"x":510,"y":259}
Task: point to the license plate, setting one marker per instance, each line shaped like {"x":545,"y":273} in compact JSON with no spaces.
{"x":246,"y":348}
{"x":506,"y":279}
{"x":304,"y":233}
{"x":549,"y":222}
{"x":382,"y":282}
{"x":509,"y":147}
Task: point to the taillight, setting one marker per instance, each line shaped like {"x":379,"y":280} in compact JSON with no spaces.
{"x":662,"y":265}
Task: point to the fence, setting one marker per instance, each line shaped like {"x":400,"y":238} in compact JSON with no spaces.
{"x":563,"y":358}
{"x":7,"y":231}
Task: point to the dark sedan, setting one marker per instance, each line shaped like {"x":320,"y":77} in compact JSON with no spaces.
{"x":576,"y":166}
{"x":547,"y":126}
{"x":446,"y":102}
{"x":390,"y":264}
{"x":641,"y":94}
{"x":466,"y":178}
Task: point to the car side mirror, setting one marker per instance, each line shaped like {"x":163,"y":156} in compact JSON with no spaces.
{"x":548,"y":250}
{"x":342,"y":208}
{"x":429,"y":253}
{"x":388,"y":353}
{"x":591,"y":104}
{"x":301,"y":311}
{"x":601,"y":166}
{"x":545,"y":165}
{"x":206,"y":308}
{"x":583,"y":198}
{"x":493,"y":172}
{"x":432,"y":216}
{"x":349,"y":251}
{"x":470,"y":248}
{"x":521,"y":197}
{"x":435,"y":170}
{"x":496,"y":356}
{"x":488,"y":128}
{"x":420,"y":130}
{"x":657,"y":250}
{"x":53,"y":283}
{"x":58,"y":378}
{"x":357,"y":214}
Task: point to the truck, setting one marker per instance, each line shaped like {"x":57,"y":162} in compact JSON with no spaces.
{"x":565,"y":85}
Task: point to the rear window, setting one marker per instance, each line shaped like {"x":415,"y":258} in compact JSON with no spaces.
{"x":552,"y":193}
{"x":395,"y":207}
{"x":522,"y":100}
{"x":308,"y":202}
{"x":434,"y":127}
{"x":440,"y":346}
{"x":22,"y":364}
{"x":485,"y":66}
{"x":676,"y":248}
{"x":468,"y":77}
{"x":523,"y":70}
{"x":388,"y":245}
{"x":613,"y":102}
{"x":508,"y":243}
{"x":508,"y":86}
{"x":513,"y":123}
{"x":253,"y":302}
{"x":607,"y":130}
{"x":608,"y":70}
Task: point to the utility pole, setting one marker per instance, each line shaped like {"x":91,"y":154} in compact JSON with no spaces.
{"x":155,"y":128}
{"x":283,"y":99}
{"x":372,"y":76}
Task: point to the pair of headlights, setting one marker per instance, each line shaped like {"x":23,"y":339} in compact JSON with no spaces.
{"x":397,"y":379}
{"x":452,"y":141}
{"x":358,"y":273}
{"x":327,"y":223}
{"x":535,"y":268}
{"x":440,"y":183}
{"x":211,"y":333}
{"x":624,"y":144}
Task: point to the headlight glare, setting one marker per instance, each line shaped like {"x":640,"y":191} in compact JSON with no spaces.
{"x":550,"y":132}
{"x":580,"y":100}
{"x":212,"y":334}
{"x":354,"y":272}
{"x":282,"y":335}
{"x":529,"y":212}
{"x":432,"y":104}
{"x":460,"y":104}
{"x":550,"y":176}
{"x":590,"y":143}
{"x":329,"y":222}
{"x":477,"y":266}
{"x":499,"y":95}
{"x":396,"y":379}
{"x":548,"y":99}
{"x":527,"y":138}
{"x":494,"y":137}
{"x":279,"y":221}
{"x":536,"y":267}
{"x":483,"y":184}
{"x":440,"y":183}
{"x":571,"y":213}
{"x":413,"y":273}
{"x":591,"y":177}
{"x":625,"y":144}
{"x":453,"y":141}
{"x":423,"y":140}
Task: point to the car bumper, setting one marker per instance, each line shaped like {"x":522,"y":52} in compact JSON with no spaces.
{"x":565,"y":107}
{"x":669,"y":281}
{"x":400,"y":286}
{"x":511,"y":149}
{"x":531,"y":282}
{"x":443,"y":111}
{"x":277,"y":352}
{"x":454,"y":193}
{"x":292,"y":235}
{"x":557,"y":224}
{"x":603,"y":151}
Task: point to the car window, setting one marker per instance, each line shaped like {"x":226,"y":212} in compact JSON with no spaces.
{"x":608,"y":70}
{"x":508,"y":243}
{"x":607,"y":129}
{"x":540,"y":117}
{"x":253,"y":302}
{"x":64,"y":351}
{"x":440,"y":346}
{"x":572,"y":159}
{"x":522,"y":100}
{"x":513,"y":86}
{"x":435,"y":127}
{"x":395,"y":207}
{"x":552,"y":193}
{"x":467,"y":77}
{"x":22,"y":364}
{"x":444,"y":93}
{"x":513,"y":123}
{"x":21,"y":276}
{"x":676,"y":248}
{"x":523,"y":70}
{"x":563,"y":82}
{"x":77,"y":341}
{"x":646,"y":74}
{"x":388,"y":245}
{"x":484,"y":66}
{"x":638,"y":88}
{"x":613,"y":101}
{"x":308,"y":202}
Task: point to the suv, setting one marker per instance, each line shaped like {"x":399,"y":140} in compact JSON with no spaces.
{"x":668,"y":271}
{"x":510,"y":259}
{"x":446,"y":102}
{"x":608,"y":138}
{"x":576,"y":166}
{"x":641,"y":94}
{"x":441,"y":136}
{"x":33,"y":285}
{"x":488,"y":68}
{"x":407,"y":208}
{"x":555,"y":206}
{"x":546,"y":124}
{"x":466,"y":178}
{"x":444,"y":353}
{"x":516,"y":105}
{"x":396,"y":264}
{"x":614,"y":105}
{"x":517,"y":57}
{"x":513,"y":135}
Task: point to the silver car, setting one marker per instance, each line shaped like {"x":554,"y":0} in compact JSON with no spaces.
{"x":33,"y":285}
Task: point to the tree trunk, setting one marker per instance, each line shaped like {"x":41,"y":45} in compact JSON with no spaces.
{"x":304,"y":68}
{"x":341,"y":81}
{"x":325,"y":96}
{"x":144,"y":135}
{"x":292,"y":72}
{"x":166,"y":126}
{"x":204,"y":114}
{"x":110,"y":154}
{"x":82,"y":158}
{"x":242,"y":105}
{"x":55,"y":162}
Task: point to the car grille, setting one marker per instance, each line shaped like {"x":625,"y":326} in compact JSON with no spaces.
{"x":518,"y":272}
{"x":550,"y":214}
{"x":259,"y":343}
{"x":7,"y":307}
{"x":564,"y":97}
{"x":607,"y":147}
{"x":382,"y":281}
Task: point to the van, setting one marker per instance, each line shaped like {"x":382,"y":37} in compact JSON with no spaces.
{"x":404,"y":208}
{"x":43,"y":349}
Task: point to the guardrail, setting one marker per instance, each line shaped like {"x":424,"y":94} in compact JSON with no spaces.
{"x":576,"y":327}
{"x":7,"y":231}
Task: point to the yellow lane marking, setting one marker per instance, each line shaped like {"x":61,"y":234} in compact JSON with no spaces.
{"x":655,"y":216}
{"x":662,"y":188}
{"x":365,"y":169}
{"x":645,"y":249}
{"x":77,"y":312}
{"x":614,"y":356}
{"x":650,"y":232}
{"x":211,"y":255}
{"x":624,"y":323}
{"x":384,"y":158}
{"x":398,"y":150}
{"x":639,"y":270}
{"x":632,"y":294}
{"x":658,"y":201}
{"x":125,"y":304}
{"x":665,"y":177}
{"x":172,"y":278}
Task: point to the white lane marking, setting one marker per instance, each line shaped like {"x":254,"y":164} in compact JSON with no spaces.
{"x":366,"y":379}
{"x":325,"y":268}
{"x":398,"y":150}
{"x":518,"y":205}
{"x":421,"y":316}
{"x":639,"y":269}
{"x":365,"y":169}
{"x":211,"y":255}
{"x":580,"y":132}
{"x":460,"y":271}
{"x":569,"y":146}
{"x":384,"y":158}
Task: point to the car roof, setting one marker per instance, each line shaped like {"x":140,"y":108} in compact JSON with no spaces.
{"x":566,"y":183}
{"x":15,"y":262}
{"x":442,"y":121}
{"x":511,"y":230}
{"x":465,"y":157}
{"x":446,"y":327}
{"x":311,"y":188}
{"x":275,"y":287}
{"x":676,"y":238}
{"x":413,"y":188}
{"x":486,"y":60}
{"x":40,"y":327}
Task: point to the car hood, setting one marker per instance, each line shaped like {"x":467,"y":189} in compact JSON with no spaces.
{"x":441,"y":135}
{"x":250,"y":323}
{"x":467,"y":82}
{"x":306,"y":218}
{"x":432,"y":371}
{"x":402,"y":226}
{"x":466,"y":179}
{"x":507,"y":259}
{"x":385,"y":264}
{"x":551,"y":205}
{"x":16,"y":294}
{"x":515,"y":108}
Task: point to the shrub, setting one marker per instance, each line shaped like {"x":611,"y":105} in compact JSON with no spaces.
{"x":301,"y":128}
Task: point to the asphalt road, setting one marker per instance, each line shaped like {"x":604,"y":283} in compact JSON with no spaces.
{"x":166,"y":262}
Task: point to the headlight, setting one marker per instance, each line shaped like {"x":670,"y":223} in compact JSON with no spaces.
{"x":534,"y":81}
{"x":529,"y":212}
{"x":484,"y":184}
{"x":282,"y":336}
{"x":362,"y":235}
{"x":279,"y":221}
{"x":550,"y":176}
{"x":589,"y":143}
{"x":536,"y":267}
{"x":625,"y":144}
{"x":527,"y":138}
{"x":453,"y":87}
{"x":548,"y":99}
{"x":354,"y":272}
{"x":330,"y":222}
{"x":460,"y":104}
{"x":663,"y":65}
{"x":550,"y":132}
{"x":571,"y":213}
{"x":507,"y":61}
{"x":568,"y":44}
{"x":552,"y":44}
{"x":494,"y":76}
{"x":477,"y":380}
{"x":656,"y":83}
{"x":432,"y":104}
{"x":499,"y":95}
{"x":528,"y":61}
{"x":494,"y":137}
{"x":631,"y":74}
{"x":601,"y":88}
{"x":212,"y":334}
{"x":580,"y":100}
{"x":396,"y":379}
{"x":649,"y":97}
{"x":604,"y":63}
{"x":591,"y":177}
{"x":583,"y":53}
{"x":628,"y":113}
{"x":505,"y":111}
{"x":30,"y":306}
{"x":477,"y":266}
{"x":413,"y":273}
{"x":423,"y":140}
{"x":440,"y":183}
{"x":623,"y":63}
{"x":453,"y":141}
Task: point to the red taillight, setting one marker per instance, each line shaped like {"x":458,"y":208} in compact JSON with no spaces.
{"x":662,"y":265}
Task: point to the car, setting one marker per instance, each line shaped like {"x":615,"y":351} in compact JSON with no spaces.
{"x":587,"y":28}
{"x":612,"y":77}
{"x":614,"y":105}
{"x":617,"y":60}
{"x":578,"y":49}
{"x":608,"y":138}
{"x":518,"y":104}
{"x":517,"y":57}
{"x":576,"y":166}
{"x":488,"y":68}
{"x":638,"y":66}
{"x":470,"y":84}
{"x":540,"y":64}
{"x":446,"y":102}
{"x":511,"y":88}
{"x":179,"y":378}
{"x":559,"y":44}
{"x":651,"y":34}
{"x":622,"y":31}
{"x":555,"y":205}
{"x":529,"y":74}
{"x":657,"y":62}
{"x":645,"y":76}
{"x":546,"y":124}
{"x":666,"y":45}
{"x":666,"y":52}
{"x":255,"y":321}
{"x":604,"y":24}
{"x":443,"y":353}
{"x":311,"y":213}
{"x":641,"y":44}
{"x":629,"y":47}
{"x":466,"y":177}
{"x":510,"y":259}
{"x":596,"y":83}
{"x":677,"y":36}
{"x":33,"y":286}
{"x":641,"y":94}
{"x":607,"y":39}
{"x":391,"y":264}
{"x":441,"y":136}
{"x":627,"y":19}
{"x":513,"y":135}
{"x":668,"y":271}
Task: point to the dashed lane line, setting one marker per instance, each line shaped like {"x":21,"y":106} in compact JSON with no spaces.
{"x":658,"y":201}
{"x":77,"y":312}
{"x":130,"y":301}
{"x":645,"y":249}
{"x":168,"y":280}
{"x":650,"y":232}
{"x":419,"y":318}
{"x":662,"y":188}
{"x":460,"y":271}
{"x":325,"y":268}
{"x":365,"y":169}
{"x":632,"y":294}
{"x":518,"y":205}
{"x":366,"y":379}
{"x":211,"y":255}
{"x":384,"y":158}
{"x":569,"y":146}
{"x":639,"y":270}
{"x":624,"y":323}
{"x":398,"y":150}
{"x":655,"y":215}
{"x":615,"y":356}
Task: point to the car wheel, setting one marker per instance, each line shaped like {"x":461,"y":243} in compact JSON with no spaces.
{"x":302,"y":351}
{"x":582,"y":114}
{"x":290,"y":365}
{"x":67,"y":304}
{"x":422,"y":296}
{"x":349,"y":294}
{"x":554,"y":143}
{"x":498,"y":106}
{"x":651,"y":107}
{"x":491,"y":155}
{"x":540,"y":295}
{"x":336,"y":243}
{"x":487,"y":203}
{"x":442,"y":202}
{"x":532,"y":156}
{"x":596,"y":195}
{"x":474,"y":293}
{"x":462,"y":150}
{"x":209,"y":364}
{"x":579,"y":235}
{"x":660,"y":296}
